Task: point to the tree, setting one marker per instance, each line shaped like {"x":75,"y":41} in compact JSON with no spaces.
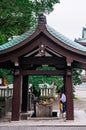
{"x":17,"y":16}
{"x":77,"y":76}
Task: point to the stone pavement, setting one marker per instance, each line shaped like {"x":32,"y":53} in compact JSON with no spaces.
{"x":47,"y":123}
{"x":43,"y":128}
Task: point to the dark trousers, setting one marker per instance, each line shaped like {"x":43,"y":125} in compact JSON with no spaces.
{"x":64,"y":107}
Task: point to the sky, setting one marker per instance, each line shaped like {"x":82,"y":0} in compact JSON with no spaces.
{"x":68,"y":18}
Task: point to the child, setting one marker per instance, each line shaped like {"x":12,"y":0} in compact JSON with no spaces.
{"x":60,"y":106}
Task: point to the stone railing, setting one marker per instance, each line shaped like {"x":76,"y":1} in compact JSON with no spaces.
{"x":47,"y":90}
{"x":6,"y":92}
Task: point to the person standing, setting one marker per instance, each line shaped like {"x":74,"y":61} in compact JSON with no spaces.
{"x":63,"y":100}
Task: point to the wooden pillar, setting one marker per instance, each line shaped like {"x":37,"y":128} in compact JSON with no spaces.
{"x":64,"y":83}
{"x":24,"y":93}
{"x":69,"y":95}
{"x":16,"y":97}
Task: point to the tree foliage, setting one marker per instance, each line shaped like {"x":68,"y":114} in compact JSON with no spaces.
{"x":4,"y":73}
{"x":17,"y":16}
{"x":77,"y":76}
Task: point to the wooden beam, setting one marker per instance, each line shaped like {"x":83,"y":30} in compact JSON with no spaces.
{"x":42,"y":72}
{"x":79,"y":65}
{"x":42,"y":60}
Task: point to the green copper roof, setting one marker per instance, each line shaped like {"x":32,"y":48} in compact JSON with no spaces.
{"x":83,"y":39}
{"x":80,"y":40}
{"x":84,"y":32}
{"x":17,"y":40}
{"x":65,"y":40}
{"x":53,"y":32}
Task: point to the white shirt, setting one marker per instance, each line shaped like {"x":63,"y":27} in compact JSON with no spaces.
{"x":63,"y":98}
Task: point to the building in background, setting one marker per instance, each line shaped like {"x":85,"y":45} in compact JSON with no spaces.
{"x":82,"y":41}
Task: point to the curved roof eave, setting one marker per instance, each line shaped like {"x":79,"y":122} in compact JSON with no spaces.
{"x":66,"y":43}
{"x":74,"y":46}
{"x":16,"y":41}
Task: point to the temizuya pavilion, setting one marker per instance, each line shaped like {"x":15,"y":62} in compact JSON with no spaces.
{"x":41,"y":46}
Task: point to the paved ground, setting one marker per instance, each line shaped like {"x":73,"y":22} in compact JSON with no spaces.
{"x":80,"y":91}
{"x":79,"y":123}
{"x":43,"y":128}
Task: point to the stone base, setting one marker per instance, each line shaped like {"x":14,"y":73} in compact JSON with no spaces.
{"x":43,"y":110}
{"x":25,"y":115}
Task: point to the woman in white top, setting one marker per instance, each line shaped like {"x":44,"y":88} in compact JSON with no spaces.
{"x":63,"y":100}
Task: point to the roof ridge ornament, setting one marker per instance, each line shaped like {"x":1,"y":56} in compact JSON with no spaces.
{"x":42,"y":19}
